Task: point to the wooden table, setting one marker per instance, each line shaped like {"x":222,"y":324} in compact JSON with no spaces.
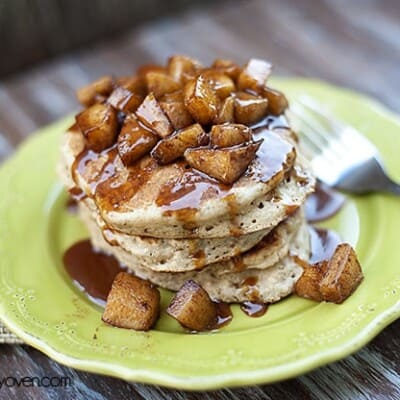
{"x":354,"y":44}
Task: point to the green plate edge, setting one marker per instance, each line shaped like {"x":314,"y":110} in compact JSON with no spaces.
{"x":218,"y":360}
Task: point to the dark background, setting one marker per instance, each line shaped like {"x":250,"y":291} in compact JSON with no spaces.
{"x":35,"y":30}
{"x":48,"y":48}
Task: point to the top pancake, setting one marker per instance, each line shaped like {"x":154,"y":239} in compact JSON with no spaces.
{"x":176,"y":201}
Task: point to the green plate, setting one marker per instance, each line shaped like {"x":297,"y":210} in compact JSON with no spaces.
{"x":39,"y":303}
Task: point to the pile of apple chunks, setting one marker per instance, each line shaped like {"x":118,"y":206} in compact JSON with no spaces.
{"x":182,"y":110}
{"x":201,"y":114}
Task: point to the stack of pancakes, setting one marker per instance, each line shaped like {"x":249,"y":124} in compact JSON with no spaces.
{"x":170,"y":223}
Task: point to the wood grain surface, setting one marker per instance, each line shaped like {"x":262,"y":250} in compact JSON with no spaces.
{"x":354,"y":44}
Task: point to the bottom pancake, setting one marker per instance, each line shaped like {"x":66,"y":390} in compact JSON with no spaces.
{"x":267,"y":285}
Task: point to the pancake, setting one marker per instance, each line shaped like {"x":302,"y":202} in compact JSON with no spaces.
{"x":178,"y":255}
{"x":266,"y":285}
{"x":173,"y":201}
{"x":174,"y":255}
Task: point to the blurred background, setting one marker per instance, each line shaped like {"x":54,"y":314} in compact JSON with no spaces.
{"x":34,"y":30}
{"x":51,"y":47}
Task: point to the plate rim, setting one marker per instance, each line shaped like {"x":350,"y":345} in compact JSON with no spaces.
{"x":232,"y":379}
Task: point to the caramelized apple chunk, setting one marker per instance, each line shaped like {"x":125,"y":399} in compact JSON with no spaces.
{"x":226,"y":165}
{"x":228,"y":67}
{"x":135,"y":84}
{"x":171,"y":97}
{"x":249,"y":108}
{"x":342,"y":276}
{"x":132,"y":303}
{"x":128,"y":93}
{"x":277,"y":101}
{"x":134,"y":140}
{"x":177,"y":113}
{"x":307,"y":286}
{"x":124,"y":100}
{"x":97,"y":90}
{"x":222,"y":84}
{"x":201,"y":100}
{"x":152,"y":115}
{"x":146,"y":68}
{"x":173,"y":147}
{"x":226,"y":112}
{"x":332,"y":280}
{"x":160,"y":83}
{"x":227,"y":135}
{"x":99,"y":125}
{"x":181,"y":68}
{"x":193,"y":308}
{"x":254,"y":75}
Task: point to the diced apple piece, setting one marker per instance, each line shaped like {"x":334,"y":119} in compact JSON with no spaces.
{"x":254,"y":75}
{"x":134,"y":140}
{"x":307,"y":286}
{"x":249,"y":109}
{"x":277,"y":102}
{"x":222,"y":84}
{"x":99,"y":125}
{"x":227,"y":135}
{"x":343,"y":275}
{"x":146,"y":68}
{"x":193,"y":308}
{"x":135,"y":84}
{"x":99,"y":89}
{"x":181,"y":67}
{"x":124,"y":100}
{"x":177,"y":113}
{"x":160,"y":83}
{"x":228,"y":67}
{"x":151,"y":114}
{"x":132,"y":303}
{"x":201,"y":100}
{"x":171,"y":97}
{"x":226,"y":112}
{"x":173,"y":147}
{"x":332,"y":280}
{"x":226,"y":165}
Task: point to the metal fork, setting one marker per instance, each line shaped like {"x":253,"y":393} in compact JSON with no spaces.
{"x":340,"y":156}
